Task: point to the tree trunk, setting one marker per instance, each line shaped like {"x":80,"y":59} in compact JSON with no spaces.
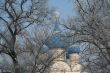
{"x":15,"y":62}
{"x":14,"y":55}
{"x":17,"y":67}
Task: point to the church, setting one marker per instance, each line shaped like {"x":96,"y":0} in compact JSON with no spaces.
{"x":65,"y":57}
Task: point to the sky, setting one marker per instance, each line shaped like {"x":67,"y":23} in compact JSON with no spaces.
{"x":65,"y":7}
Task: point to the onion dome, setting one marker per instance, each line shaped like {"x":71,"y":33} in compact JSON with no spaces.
{"x":57,"y":40}
{"x":73,"y":50}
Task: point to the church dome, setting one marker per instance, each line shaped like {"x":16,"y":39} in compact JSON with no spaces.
{"x":73,"y":50}
{"x":58,"y":39}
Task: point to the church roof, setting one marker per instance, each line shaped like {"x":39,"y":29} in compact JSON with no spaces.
{"x":57,"y":40}
{"x":73,"y":50}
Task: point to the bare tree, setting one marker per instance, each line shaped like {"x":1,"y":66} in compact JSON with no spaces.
{"x":35,"y":45}
{"x":92,"y":26}
{"x":15,"y":17}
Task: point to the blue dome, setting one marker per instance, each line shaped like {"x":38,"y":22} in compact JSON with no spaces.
{"x":73,"y":50}
{"x":56,"y":42}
